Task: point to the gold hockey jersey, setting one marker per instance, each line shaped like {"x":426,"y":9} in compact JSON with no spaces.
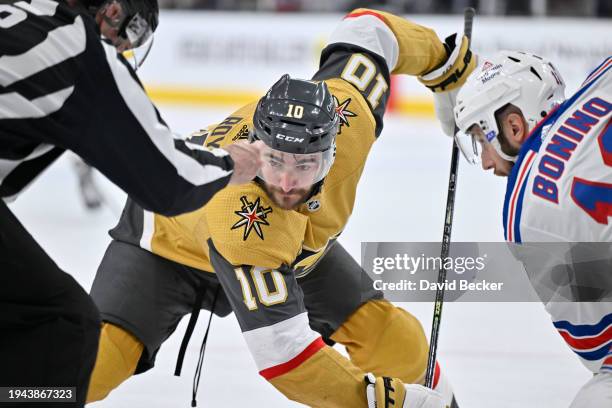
{"x":356,"y":70}
{"x":257,"y":249}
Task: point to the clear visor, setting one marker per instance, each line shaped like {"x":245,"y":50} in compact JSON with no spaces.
{"x":138,"y":31}
{"x":136,"y":56}
{"x":472,"y":142}
{"x":290,"y":171}
{"x":134,"y":39}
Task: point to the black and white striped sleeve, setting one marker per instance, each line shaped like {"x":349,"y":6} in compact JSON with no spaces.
{"x":63,"y":88}
{"x":175,"y":176}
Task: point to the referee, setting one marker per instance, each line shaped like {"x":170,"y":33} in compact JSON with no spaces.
{"x":64,"y":86}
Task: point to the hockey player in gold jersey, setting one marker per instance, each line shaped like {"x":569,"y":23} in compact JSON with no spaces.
{"x":267,"y":251}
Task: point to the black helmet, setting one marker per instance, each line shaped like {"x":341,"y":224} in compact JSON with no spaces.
{"x":297,"y":121}
{"x":297,"y":116}
{"x":148,"y":9}
{"x":139,"y":21}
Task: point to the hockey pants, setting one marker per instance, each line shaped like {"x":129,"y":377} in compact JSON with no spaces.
{"x":379,"y":337}
{"x":49,"y":326}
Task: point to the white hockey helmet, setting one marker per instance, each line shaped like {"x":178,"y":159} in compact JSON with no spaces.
{"x":527,"y":81}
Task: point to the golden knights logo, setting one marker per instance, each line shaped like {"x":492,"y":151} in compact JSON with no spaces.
{"x":343,"y":113}
{"x":252,"y":217}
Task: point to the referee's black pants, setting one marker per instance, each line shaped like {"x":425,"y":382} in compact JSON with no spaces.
{"x":49,"y":326}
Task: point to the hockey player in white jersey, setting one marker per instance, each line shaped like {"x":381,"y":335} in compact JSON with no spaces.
{"x":513,"y":117}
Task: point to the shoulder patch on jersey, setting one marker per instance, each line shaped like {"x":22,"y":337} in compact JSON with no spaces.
{"x":252,"y":217}
{"x":343,"y":112}
{"x":243,"y":134}
{"x":313,"y":205}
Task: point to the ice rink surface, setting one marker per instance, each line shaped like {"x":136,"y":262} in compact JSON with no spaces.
{"x":503,"y":355}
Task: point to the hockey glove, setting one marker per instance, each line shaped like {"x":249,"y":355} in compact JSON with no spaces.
{"x":446,"y":80}
{"x":385,"y":392}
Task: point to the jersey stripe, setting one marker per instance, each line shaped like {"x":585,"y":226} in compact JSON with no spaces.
{"x":61,"y":76}
{"x":369,"y":31}
{"x":515,"y":202}
{"x":276,"y":371}
{"x":581,"y":330}
{"x":436,"y":376}
{"x":598,"y":71}
{"x":22,"y":176}
{"x":280,"y":343}
{"x":587,"y":343}
{"x":61,"y":44}
{"x":15,"y":106}
{"x":532,"y":144}
{"x":38,"y":7}
{"x":366,"y":13}
{"x":7,"y":166}
{"x":61,"y":85}
{"x":190,"y":168}
{"x":594,"y":355}
{"x":590,"y":341}
{"x":148,"y":229}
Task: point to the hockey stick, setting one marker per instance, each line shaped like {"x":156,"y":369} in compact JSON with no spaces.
{"x":468,"y":16}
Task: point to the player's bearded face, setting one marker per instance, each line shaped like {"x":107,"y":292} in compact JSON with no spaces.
{"x":287,"y":200}
{"x":289,"y":178}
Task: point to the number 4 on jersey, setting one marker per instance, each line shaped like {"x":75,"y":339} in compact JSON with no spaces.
{"x":593,"y":197}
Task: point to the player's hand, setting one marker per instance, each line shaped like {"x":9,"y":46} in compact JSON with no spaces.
{"x":392,"y":393}
{"x":247,"y":161}
{"x":446,"y":80}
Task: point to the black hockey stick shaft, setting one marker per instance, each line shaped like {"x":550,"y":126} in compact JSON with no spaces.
{"x":468,"y":15}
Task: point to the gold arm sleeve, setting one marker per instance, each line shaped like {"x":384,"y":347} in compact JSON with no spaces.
{"x":420,"y":49}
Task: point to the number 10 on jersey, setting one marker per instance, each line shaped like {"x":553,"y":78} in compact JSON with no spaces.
{"x":265,"y":295}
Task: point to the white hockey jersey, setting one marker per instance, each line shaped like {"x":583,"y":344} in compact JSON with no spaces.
{"x":560,"y":190}
{"x":561,"y":186}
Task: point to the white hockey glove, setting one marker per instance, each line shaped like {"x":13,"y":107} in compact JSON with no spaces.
{"x":446,"y":80}
{"x":385,"y":392}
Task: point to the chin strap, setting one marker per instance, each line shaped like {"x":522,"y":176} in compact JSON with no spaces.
{"x":498,"y":149}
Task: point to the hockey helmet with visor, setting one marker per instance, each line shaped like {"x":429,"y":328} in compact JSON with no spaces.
{"x":527,"y":81}
{"x":297,"y":122}
{"x":133,"y":27}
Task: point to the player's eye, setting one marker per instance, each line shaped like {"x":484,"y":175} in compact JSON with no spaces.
{"x":304,"y":167}
{"x":275,"y":163}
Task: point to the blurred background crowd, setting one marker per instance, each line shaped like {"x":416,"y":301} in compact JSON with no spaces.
{"x":569,"y":8}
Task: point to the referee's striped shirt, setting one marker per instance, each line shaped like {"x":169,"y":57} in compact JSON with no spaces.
{"x":62,"y":88}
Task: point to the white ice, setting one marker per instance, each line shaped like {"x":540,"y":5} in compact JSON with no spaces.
{"x":501,"y":355}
